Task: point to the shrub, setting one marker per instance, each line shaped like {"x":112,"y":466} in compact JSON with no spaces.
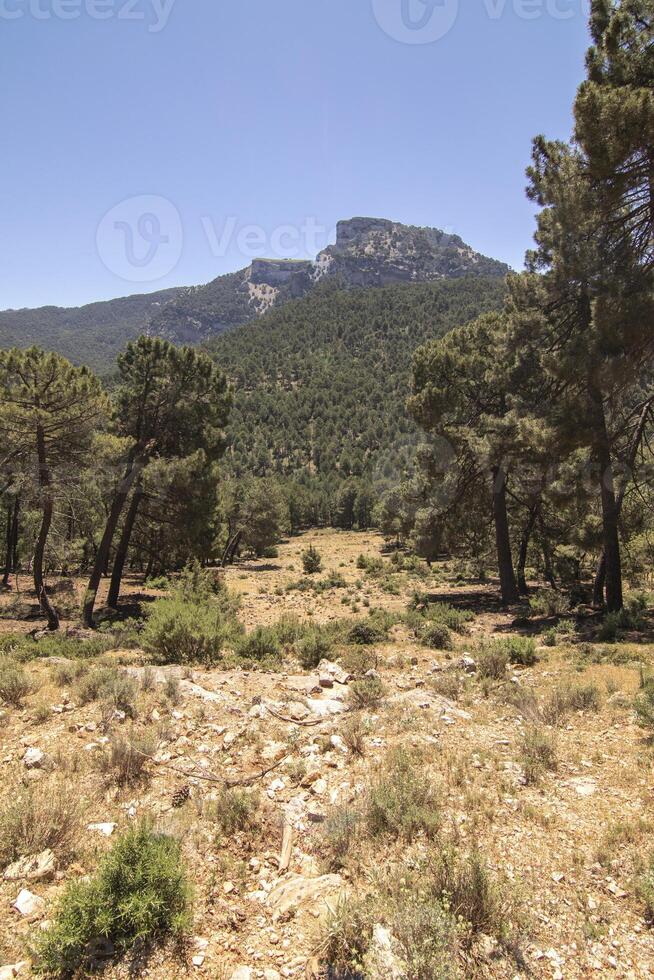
{"x":644,"y":705}
{"x":140,"y":891}
{"x":110,"y":685}
{"x":366,"y":634}
{"x":368,"y":692}
{"x":37,"y":817}
{"x":232,"y":810}
{"x":346,"y":936}
{"x":584,"y":697}
{"x":127,"y":759}
{"x":158,"y":582}
{"x":471,"y":893}
{"x":616,"y":624}
{"x":456,"y":619}
{"x":492,"y":661}
{"x":259,"y":645}
{"x":645,"y":888}
{"x":311,"y":561}
{"x":313,"y":648}
{"x":63,"y":675}
{"x":548,"y":602}
{"x":437,"y":636}
{"x":14,"y":683}
{"x":354,"y":736}
{"x":340,"y":833}
{"x":400,"y":801}
{"x":448,"y":683}
{"x":289,"y":629}
{"x":179,"y":631}
{"x":537,"y":754}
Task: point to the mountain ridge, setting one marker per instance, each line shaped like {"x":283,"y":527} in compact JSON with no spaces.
{"x":367,"y":253}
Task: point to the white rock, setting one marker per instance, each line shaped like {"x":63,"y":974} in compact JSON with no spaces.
{"x":106,"y":829}
{"x":8,"y":972}
{"x":242,"y":973}
{"x":34,"y":758}
{"x":32,"y":868}
{"x":28,"y":904}
{"x":297,"y":892}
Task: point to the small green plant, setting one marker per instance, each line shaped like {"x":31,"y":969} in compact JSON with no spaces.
{"x":127,"y":759}
{"x":368,"y":692}
{"x":39,"y":816}
{"x":354,"y":736}
{"x":645,"y":887}
{"x":400,"y":800}
{"x":548,"y":603}
{"x":616,"y":624}
{"x":537,"y":754}
{"x":260,"y":645}
{"x":492,"y":662}
{"x":232,"y":810}
{"x":311,"y":561}
{"x":158,"y":583}
{"x":313,"y":648}
{"x":366,"y":634}
{"x":139,"y":892}
{"x":437,"y":636}
{"x":15,"y":685}
{"x":111,"y":685}
{"x":644,"y":705}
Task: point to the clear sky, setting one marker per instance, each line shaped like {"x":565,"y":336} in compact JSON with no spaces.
{"x":152,"y":143}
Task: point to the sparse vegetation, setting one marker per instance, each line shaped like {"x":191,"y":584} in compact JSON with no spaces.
{"x":40,"y":816}
{"x":311,"y":561}
{"x":15,"y":685}
{"x":537,"y":754}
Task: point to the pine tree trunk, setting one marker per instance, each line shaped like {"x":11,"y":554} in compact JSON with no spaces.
{"x":524,"y":549}
{"x":134,"y":467}
{"x":9,"y":546}
{"x":610,"y":531}
{"x":45,"y":485}
{"x":508,"y":585}
{"x":123,"y":547}
{"x":600,"y":581}
{"x":14,"y":545}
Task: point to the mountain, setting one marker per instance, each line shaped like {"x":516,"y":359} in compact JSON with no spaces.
{"x":91,"y":334}
{"x":368,"y":252}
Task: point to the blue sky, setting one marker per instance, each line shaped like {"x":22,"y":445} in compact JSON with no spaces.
{"x":151,"y":143}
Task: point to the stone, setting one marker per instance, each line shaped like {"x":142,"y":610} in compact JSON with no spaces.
{"x":33,"y":868}
{"x":324,"y":708}
{"x":242,"y":973}
{"x":106,"y":829}
{"x":29,"y":904}
{"x":326,"y":668}
{"x":304,"y":894}
{"x":297,"y":711}
{"x":35,"y":759}
{"x":382,"y":961}
{"x":13,"y":969}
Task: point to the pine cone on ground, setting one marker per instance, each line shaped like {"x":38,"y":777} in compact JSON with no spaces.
{"x":181,"y":795}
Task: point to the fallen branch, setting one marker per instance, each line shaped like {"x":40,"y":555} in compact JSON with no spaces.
{"x":209,"y":777}
{"x":294,"y":721}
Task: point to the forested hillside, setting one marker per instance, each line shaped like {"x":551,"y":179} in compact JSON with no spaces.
{"x":321,"y":383}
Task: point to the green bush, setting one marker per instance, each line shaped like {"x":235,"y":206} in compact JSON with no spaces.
{"x":437,"y":636}
{"x":158,"y":582}
{"x":14,"y":683}
{"x":644,"y":705}
{"x":260,"y":645}
{"x":456,"y":619}
{"x":366,"y":634}
{"x":39,"y":816}
{"x":519,"y":650}
{"x":492,"y":661}
{"x":311,"y":561}
{"x":182,"y":631}
{"x":400,"y":800}
{"x":368,"y":692}
{"x":548,"y":603}
{"x":139,"y":892}
{"x":313,"y":648}
{"x":111,"y":685}
{"x":616,"y":624}
{"x":538,"y":754}
{"x":232,"y":810}
{"x":645,"y":887}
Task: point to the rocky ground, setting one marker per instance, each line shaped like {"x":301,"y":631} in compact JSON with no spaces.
{"x":563,"y":840}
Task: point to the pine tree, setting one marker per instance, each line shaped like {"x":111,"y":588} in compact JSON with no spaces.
{"x":49,"y":411}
